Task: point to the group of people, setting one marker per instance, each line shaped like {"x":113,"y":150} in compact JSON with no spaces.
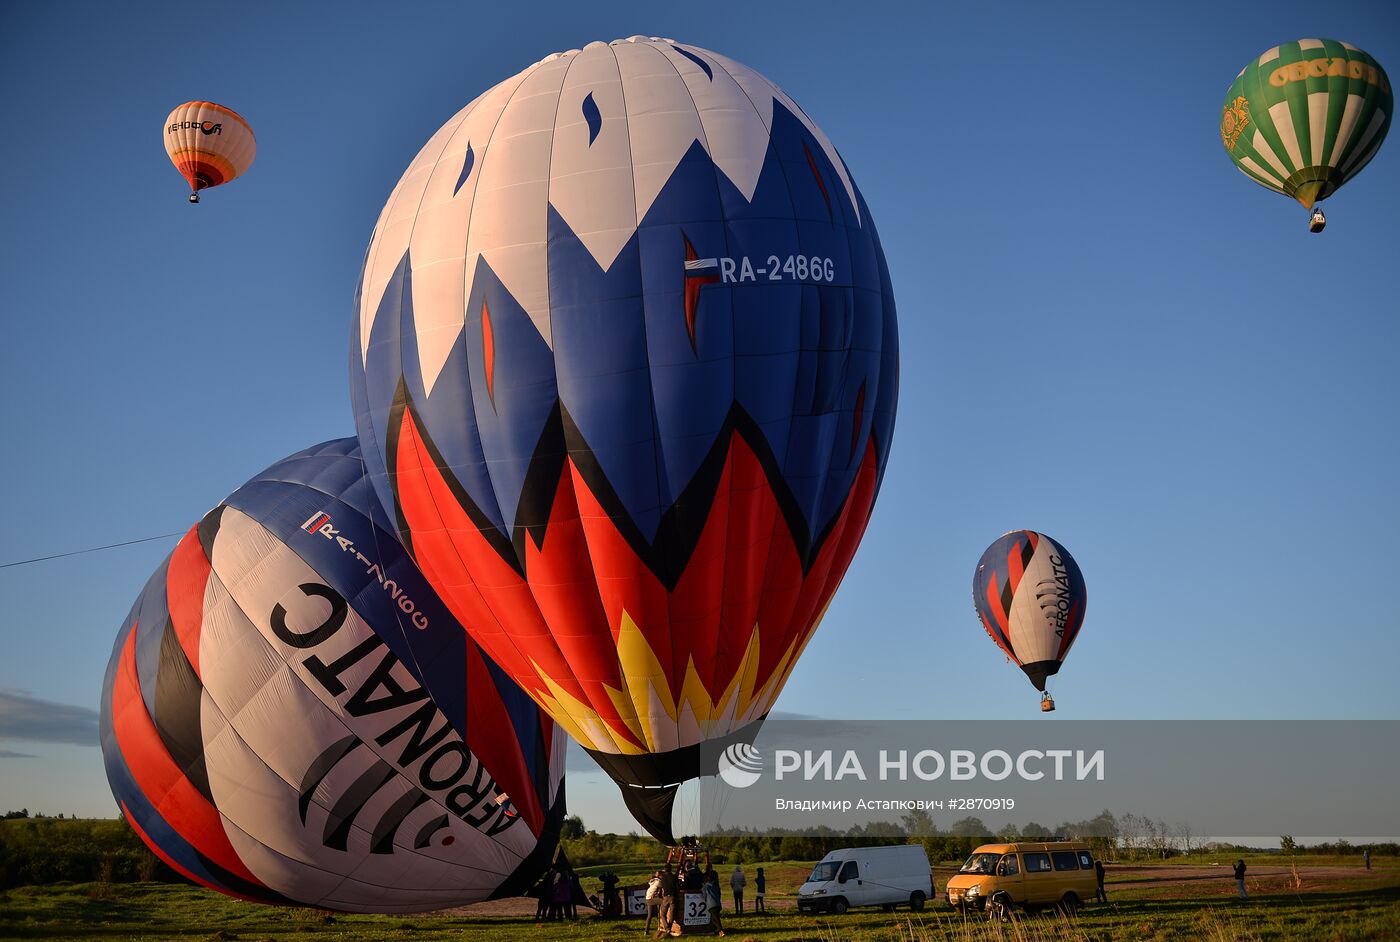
{"x":666,"y":891}
{"x":557,"y":894}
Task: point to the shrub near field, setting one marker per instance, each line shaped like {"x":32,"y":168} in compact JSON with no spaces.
{"x":49,"y":850}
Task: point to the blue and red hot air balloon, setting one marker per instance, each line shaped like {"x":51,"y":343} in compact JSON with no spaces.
{"x":1030,"y":597}
{"x":624,"y":367}
{"x":291,"y":715}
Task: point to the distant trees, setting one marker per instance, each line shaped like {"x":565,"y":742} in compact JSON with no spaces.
{"x":38,"y":849}
{"x":572,"y":828}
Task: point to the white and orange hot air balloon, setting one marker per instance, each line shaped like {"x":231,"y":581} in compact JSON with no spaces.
{"x":209,"y":144}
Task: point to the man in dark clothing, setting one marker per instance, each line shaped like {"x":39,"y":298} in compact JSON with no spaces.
{"x":1239,"y":878}
{"x":543,"y":892}
{"x":670,"y":893}
{"x":1098,"y":875}
{"x":760,"y":883}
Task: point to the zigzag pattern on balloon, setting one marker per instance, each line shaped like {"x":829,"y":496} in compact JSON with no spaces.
{"x":581,"y":589}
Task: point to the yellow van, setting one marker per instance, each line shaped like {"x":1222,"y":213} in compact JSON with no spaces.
{"x":1033,"y":875}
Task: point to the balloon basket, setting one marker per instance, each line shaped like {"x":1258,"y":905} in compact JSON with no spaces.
{"x":1047,"y":704}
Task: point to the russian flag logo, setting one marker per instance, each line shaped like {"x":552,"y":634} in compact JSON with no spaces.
{"x":698,"y":273}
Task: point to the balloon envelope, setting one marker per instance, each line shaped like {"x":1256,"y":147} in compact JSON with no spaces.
{"x":1030,"y":597}
{"x":624,"y":366}
{"x":291,"y":716}
{"x":209,"y":144}
{"x":1306,"y":116}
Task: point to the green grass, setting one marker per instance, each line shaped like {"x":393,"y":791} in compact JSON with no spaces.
{"x":1324,"y":909}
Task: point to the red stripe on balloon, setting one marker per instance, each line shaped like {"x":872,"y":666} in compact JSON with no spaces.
{"x":994,"y":603}
{"x":1014,"y":569}
{"x":186,"y":578}
{"x":493,"y":738}
{"x":170,"y":793}
{"x":816,"y":175}
{"x":991,"y":633}
{"x":488,"y":352}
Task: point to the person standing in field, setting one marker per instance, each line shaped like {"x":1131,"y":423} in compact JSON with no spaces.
{"x":543,"y":892}
{"x":1098,"y":875}
{"x":670,"y":890}
{"x":653,"y":900}
{"x":712,"y":901}
{"x":760,"y":883}
{"x":737,"y":882}
{"x":1239,"y":878}
{"x":1366,"y":856}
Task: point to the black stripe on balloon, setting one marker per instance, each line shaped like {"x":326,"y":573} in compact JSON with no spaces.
{"x":1027,"y":553}
{"x":382,"y":842}
{"x":1006,"y":596}
{"x":209,"y":530}
{"x":541,"y":486}
{"x":233,"y":883}
{"x":178,"y":690}
{"x":424,"y":837}
{"x":821,"y":184}
{"x":680,"y":527}
{"x":320,"y":767}
{"x":337,"y":831}
{"x":857,"y":421}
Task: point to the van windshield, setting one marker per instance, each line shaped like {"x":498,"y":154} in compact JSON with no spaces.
{"x":980,"y":863}
{"x":825,"y":871}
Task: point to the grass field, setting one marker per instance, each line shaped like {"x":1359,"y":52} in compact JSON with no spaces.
{"x":1338,"y":901}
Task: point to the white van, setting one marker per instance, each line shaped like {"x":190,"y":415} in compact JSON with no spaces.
{"x":868,"y":876}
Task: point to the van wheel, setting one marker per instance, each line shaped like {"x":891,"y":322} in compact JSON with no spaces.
{"x":916,"y":901}
{"x":839,"y":906}
{"x":1069,"y":905}
{"x":999,"y":908}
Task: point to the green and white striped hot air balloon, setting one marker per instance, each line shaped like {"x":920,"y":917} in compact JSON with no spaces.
{"x":1305,"y":117}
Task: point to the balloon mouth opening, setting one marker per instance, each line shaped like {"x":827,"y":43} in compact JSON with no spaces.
{"x":1312,"y":185}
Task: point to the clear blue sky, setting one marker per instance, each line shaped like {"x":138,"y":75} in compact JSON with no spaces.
{"x":1108,"y":333}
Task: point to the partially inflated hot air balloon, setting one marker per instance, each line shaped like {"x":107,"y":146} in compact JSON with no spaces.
{"x":624,"y":365}
{"x":290,"y":715}
{"x":1305,"y":117}
{"x":209,"y":144}
{"x":1030,"y":597}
